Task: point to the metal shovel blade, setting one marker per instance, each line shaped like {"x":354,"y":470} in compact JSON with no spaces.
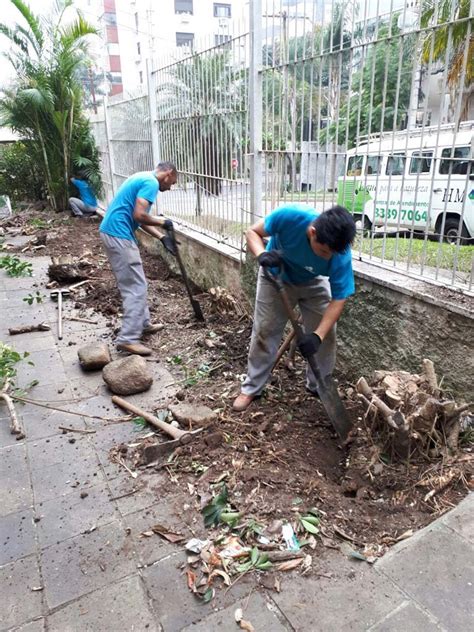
{"x":335,"y":409}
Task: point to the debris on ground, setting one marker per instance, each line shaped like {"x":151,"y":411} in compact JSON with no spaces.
{"x":66,"y":269}
{"x":279,"y":459}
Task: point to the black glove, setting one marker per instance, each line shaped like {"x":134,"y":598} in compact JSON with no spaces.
{"x":168,"y":244}
{"x":270,"y":258}
{"x":309,"y":345}
{"x":168,"y":224}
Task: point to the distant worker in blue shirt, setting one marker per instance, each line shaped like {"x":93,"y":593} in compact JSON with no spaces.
{"x":128,"y":211}
{"x":86,"y":204}
{"x":313,"y":252}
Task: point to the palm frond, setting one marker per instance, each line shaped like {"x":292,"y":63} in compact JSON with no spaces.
{"x":32,"y":20}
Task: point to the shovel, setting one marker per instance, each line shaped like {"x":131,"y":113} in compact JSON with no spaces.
{"x":327,"y":388}
{"x":194,"y":303}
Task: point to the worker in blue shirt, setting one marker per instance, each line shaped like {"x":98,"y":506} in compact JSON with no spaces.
{"x":313,"y":252}
{"x":86,"y":203}
{"x":128,"y":211}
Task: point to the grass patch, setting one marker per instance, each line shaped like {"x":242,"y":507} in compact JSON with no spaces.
{"x":419,"y":252}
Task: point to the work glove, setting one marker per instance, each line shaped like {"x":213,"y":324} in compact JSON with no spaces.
{"x":309,"y":345}
{"x":168,"y":225}
{"x":168,"y":244}
{"x":270,"y":259}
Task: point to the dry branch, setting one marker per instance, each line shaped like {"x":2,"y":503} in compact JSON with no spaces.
{"x":15,"y":426}
{"x":26,"y":329}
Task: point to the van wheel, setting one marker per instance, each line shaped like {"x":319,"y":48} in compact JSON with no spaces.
{"x":451,"y":232}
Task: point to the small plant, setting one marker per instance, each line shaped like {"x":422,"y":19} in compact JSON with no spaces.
{"x":15,"y":267}
{"x":9,"y":358}
{"x":258,"y":561}
{"x":37,"y":222}
{"x":219,"y":510}
{"x":36,"y":297}
{"x":310,"y":521}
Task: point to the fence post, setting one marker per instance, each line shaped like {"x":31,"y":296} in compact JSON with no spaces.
{"x":255,"y":109}
{"x":155,"y":143}
{"x":108,"y":139}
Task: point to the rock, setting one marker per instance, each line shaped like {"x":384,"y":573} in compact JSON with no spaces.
{"x":128,"y":375}
{"x":192,"y":414}
{"x":94,"y":356}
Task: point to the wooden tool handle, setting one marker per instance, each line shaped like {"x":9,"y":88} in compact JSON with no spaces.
{"x":176,"y":433}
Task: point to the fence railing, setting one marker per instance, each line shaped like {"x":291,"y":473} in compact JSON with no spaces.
{"x":367,"y":104}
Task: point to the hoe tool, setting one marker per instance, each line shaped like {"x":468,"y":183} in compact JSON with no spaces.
{"x":327,"y":388}
{"x":152,"y":452}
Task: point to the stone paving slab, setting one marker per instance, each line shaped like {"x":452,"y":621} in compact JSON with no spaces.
{"x":408,"y":618}
{"x":174,"y":605}
{"x":33,"y":626}
{"x":416,"y":567}
{"x":18,"y":602}
{"x":71,"y":515}
{"x":62,"y":478}
{"x":257,"y":610}
{"x":17,"y":536}
{"x":461,"y":519}
{"x":119,"y":607}
{"x":85,"y":563}
{"x":15,"y":491}
{"x":46,"y":425}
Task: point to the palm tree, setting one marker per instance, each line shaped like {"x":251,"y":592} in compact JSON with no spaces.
{"x":200,"y":124}
{"x":45,"y":104}
{"x":457,"y":36}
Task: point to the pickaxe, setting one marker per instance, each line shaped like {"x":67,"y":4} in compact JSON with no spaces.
{"x":58,"y":295}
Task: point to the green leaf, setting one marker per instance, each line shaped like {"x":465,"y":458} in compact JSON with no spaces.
{"x":311,"y":520}
{"x":243,"y":568}
{"x":309,"y":527}
{"x":208,"y":595}
{"x":264,"y":566}
{"x":254,"y":555}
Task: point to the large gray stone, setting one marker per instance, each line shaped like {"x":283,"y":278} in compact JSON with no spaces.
{"x":94,"y":356}
{"x":122,"y":606}
{"x":192,"y":414}
{"x":128,"y":375}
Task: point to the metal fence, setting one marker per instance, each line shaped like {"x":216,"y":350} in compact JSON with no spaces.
{"x":368,"y":104}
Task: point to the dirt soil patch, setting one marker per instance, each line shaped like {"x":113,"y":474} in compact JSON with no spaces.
{"x":281,"y":456}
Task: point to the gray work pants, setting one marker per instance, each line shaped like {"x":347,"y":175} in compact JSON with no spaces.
{"x":79,"y":208}
{"x":126,"y":263}
{"x":269,"y":323}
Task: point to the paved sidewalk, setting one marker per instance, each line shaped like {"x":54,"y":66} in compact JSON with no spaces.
{"x":72,"y":559}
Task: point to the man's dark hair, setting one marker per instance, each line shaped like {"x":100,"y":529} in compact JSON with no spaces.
{"x":166,"y":166}
{"x":81,"y":175}
{"x":335,"y":228}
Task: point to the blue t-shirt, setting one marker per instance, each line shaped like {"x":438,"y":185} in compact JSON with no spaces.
{"x":287,"y":227}
{"x":85,"y":192}
{"x":118,"y":220}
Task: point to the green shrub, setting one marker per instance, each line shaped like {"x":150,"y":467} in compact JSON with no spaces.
{"x":20,"y":177}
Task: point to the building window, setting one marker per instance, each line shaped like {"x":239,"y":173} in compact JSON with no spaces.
{"x":140,"y":74}
{"x":221,"y":39}
{"x":136,"y":22}
{"x":110,"y":19}
{"x":222,"y":10}
{"x":185,"y":39}
{"x":183,"y":6}
{"x":138,"y":49}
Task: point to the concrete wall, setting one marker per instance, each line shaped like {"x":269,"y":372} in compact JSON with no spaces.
{"x":392,"y":322}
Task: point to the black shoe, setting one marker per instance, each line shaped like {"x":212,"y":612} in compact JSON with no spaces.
{"x":312,"y":392}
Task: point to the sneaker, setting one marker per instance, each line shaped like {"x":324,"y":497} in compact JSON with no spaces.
{"x":242,"y":402}
{"x":134,"y":347}
{"x":152,"y":329}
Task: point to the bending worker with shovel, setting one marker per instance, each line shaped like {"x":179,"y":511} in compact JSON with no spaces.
{"x":128,"y":211}
{"x":312,"y":250}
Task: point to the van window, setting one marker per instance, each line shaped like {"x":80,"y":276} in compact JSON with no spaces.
{"x":395,"y":165}
{"x":373,"y":166}
{"x":354,"y":165}
{"x":421,"y":162}
{"x":456,"y":161}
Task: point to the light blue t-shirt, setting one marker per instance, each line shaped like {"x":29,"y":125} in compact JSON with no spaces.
{"x":85,"y":192}
{"x":287,"y":227}
{"x":118,"y":220}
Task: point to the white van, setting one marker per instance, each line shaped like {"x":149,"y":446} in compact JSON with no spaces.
{"x":421,"y":180}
